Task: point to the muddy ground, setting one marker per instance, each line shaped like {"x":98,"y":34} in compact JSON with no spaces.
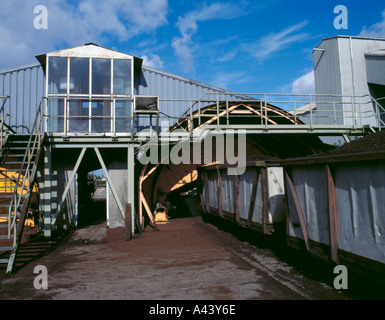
{"x":188,"y":259}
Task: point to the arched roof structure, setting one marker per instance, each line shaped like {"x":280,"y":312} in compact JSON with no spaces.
{"x":156,"y":181}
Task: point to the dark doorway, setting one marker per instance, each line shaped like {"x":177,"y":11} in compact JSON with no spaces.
{"x":92,"y":198}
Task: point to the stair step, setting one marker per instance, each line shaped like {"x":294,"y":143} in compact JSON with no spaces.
{"x":8,"y":195}
{"x":19,"y":136}
{"x":5,"y":215}
{"x":5,"y":198}
{"x":12,"y":188}
{"x":13,"y":183}
{"x":5,"y":237}
{"x":19,"y":147}
{"x":11,"y":168}
{"x":17,"y":156}
{"x":3,"y":226}
{"x":16,"y":164}
{"x":18,"y":139}
{"x":5,"y":248}
{"x":15,"y":150}
{"x":4,"y":261}
{"x":11,"y":162}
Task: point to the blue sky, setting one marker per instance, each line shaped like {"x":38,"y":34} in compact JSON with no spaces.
{"x":243,"y":46}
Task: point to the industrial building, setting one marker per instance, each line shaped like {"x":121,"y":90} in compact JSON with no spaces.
{"x":87,"y":108}
{"x":351,"y":67}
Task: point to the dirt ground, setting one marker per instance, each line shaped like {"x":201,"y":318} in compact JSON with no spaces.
{"x":188,"y":259}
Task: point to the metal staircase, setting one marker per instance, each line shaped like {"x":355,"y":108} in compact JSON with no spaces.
{"x":19,"y":160}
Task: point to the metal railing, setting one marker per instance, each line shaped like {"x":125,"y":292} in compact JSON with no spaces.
{"x":101,"y":114}
{"x":307,"y":110}
{"x":304,"y":111}
{"x":380,"y":112}
{"x":24,"y":184}
{"x":3,"y":117}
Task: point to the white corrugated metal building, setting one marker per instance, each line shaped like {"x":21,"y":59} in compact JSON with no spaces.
{"x":349,"y":67}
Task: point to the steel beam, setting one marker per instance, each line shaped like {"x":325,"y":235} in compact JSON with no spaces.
{"x":111,"y":185}
{"x":332,"y":213}
{"x":298,"y":208}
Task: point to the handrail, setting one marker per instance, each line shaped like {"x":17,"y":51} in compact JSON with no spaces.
{"x":65,"y":115}
{"x":329,"y":109}
{"x":5,"y":100}
{"x":354,"y":112}
{"x":378,"y":106}
{"x":3,"y":117}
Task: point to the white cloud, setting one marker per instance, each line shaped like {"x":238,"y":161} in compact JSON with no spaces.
{"x":228,"y":55}
{"x":188,"y":27}
{"x":304,"y":84}
{"x":376,"y":30}
{"x":153,"y":61}
{"x":72,"y":23}
{"x":274,"y":42}
{"x":225,"y":80}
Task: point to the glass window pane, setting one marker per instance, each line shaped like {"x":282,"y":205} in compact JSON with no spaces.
{"x":101,"y":116}
{"x":79,"y":75}
{"x":123,"y":116}
{"x":101,"y":76}
{"x":56,"y":115}
{"x":122,"y":77}
{"x":78,"y":115}
{"x":57,"y":75}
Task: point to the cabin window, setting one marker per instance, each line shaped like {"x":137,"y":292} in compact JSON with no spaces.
{"x":89,"y":95}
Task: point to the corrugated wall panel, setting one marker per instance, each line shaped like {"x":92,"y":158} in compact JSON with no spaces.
{"x":212,"y":190}
{"x":246,"y":187}
{"x":228,"y":193}
{"x":360,"y":195}
{"x":327,"y":79}
{"x":257,"y":215}
{"x":25,"y":87}
{"x":311,"y":188}
{"x":339,"y":66}
{"x":172,"y":87}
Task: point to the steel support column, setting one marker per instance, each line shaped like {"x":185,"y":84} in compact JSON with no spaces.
{"x":131,"y":183}
{"x":46,"y":194}
{"x":42,"y":195}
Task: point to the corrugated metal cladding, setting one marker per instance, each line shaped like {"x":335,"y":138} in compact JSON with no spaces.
{"x":172,"y":87}
{"x":25,"y":86}
{"x":327,"y":79}
{"x":340,"y":68}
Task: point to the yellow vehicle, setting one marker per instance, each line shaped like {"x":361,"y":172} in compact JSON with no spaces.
{"x":7,"y":186}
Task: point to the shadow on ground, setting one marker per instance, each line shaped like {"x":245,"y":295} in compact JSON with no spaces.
{"x":35,"y":245}
{"x":360,"y":287}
